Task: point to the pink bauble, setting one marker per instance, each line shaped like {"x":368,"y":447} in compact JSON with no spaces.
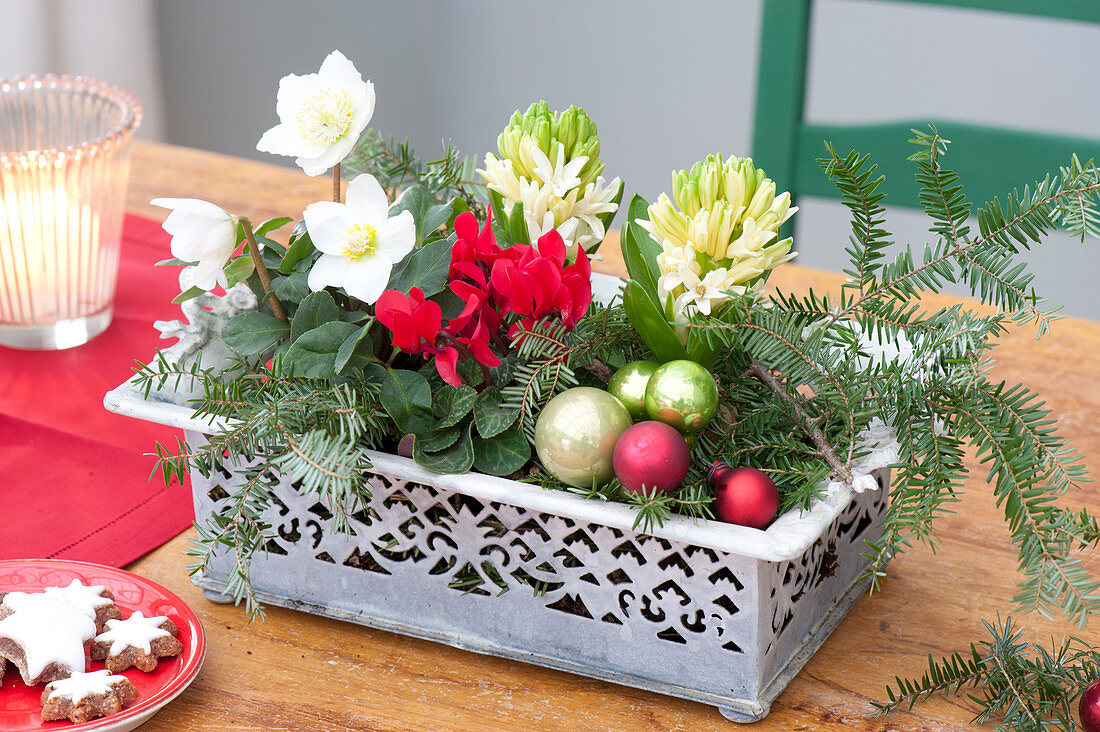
{"x":1089,"y":708}
{"x":743,"y":496}
{"x":651,"y":454}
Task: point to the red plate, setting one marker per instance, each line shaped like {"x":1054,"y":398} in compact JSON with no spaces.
{"x":20,"y":706}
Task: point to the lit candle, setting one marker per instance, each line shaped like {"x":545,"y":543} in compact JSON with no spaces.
{"x":62,"y":197}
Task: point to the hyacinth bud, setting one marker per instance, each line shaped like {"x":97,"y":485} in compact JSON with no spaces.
{"x":667,"y":222}
{"x":762,"y":199}
{"x":542,"y":134}
{"x":516,"y":120}
{"x":710,"y":183}
{"x":566,"y":131}
{"x":782,"y":207}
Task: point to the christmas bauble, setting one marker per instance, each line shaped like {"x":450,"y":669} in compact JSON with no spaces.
{"x":682,"y":394}
{"x":743,"y":496}
{"x":575,"y":435}
{"x":628,"y":386}
{"x":1089,"y":708}
{"x":651,"y":456}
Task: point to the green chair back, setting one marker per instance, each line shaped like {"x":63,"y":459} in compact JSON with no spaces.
{"x":990,"y":160}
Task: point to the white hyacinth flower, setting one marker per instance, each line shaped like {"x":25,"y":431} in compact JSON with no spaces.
{"x":706,"y":292}
{"x":320,"y":115}
{"x":559,"y":175}
{"x":598,"y":199}
{"x":359,"y":243}
{"x":202,"y":233}
{"x":500,"y":176}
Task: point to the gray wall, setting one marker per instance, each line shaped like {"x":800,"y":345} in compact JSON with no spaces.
{"x":668,"y":82}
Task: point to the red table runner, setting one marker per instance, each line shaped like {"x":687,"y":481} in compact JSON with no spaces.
{"x":74,"y":478}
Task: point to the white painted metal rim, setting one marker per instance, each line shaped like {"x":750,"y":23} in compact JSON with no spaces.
{"x":787,"y":538}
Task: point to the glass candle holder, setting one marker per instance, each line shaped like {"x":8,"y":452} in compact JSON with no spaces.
{"x":64,"y":165}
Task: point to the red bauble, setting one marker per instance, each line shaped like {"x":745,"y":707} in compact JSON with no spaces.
{"x":743,"y":496}
{"x":1089,"y":708}
{"x":651,"y":454}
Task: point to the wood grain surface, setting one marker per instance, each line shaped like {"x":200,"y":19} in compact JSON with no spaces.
{"x":299,"y":672}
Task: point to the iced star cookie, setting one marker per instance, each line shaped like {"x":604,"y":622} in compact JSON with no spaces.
{"x":85,"y":696}
{"x":137,"y":641}
{"x":43,"y":636}
{"x":96,"y":601}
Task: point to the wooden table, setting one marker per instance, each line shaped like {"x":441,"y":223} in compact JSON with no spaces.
{"x":298,"y":671}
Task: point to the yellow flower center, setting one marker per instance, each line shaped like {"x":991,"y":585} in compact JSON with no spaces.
{"x":326,"y":116}
{"x":359,"y":241}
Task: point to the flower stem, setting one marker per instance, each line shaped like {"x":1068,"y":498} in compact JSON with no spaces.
{"x":336,"y":183}
{"x":261,"y":270}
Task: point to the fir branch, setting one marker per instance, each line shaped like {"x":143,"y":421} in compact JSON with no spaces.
{"x":1027,"y":687}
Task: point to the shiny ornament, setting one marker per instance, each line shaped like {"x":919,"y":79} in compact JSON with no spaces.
{"x":575,"y":435}
{"x":682,"y":394}
{"x":1089,"y":708}
{"x":651,"y":456}
{"x":743,"y":496}
{"x":628,"y":386}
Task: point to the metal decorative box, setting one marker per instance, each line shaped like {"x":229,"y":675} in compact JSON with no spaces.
{"x":721,"y":614}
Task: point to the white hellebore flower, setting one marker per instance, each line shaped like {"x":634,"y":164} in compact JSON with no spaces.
{"x":359,"y":244}
{"x":320,"y":115}
{"x":202,"y":233}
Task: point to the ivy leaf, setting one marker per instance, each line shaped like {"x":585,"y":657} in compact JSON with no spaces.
{"x":426,"y":267}
{"x":502,"y":455}
{"x":238,"y":270}
{"x":651,"y":324}
{"x":458,"y":458}
{"x":358,"y":345}
{"x":407,"y":398}
{"x":439,"y":439}
{"x":272,"y":224}
{"x":313,"y":354}
{"x":490,"y":415}
{"x":189,"y":294}
{"x":253,"y":332}
{"x":316,"y":309}
{"x":452,"y":403}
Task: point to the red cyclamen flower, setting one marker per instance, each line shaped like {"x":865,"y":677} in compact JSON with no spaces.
{"x":416,"y":324}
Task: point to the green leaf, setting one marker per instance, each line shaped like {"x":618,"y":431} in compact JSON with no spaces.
{"x":313,"y":354}
{"x":651,"y":324}
{"x":490,"y":415}
{"x":300,"y":248}
{"x":426,"y":267}
{"x":173,"y":262}
{"x":517,"y":225}
{"x":190,"y":294}
{"x":316,"y":309}
{"x":500,"y":217}
{"x":238,"y":270}
{"x":502,"y":455}
{"x":291,"y":289}
{"x":439,"y":439}
{"x":273,"y":251}
{"x":272,"y":224}
{"x":252,"y":333}
{"x":407,"y":398}
{"x":641,"y":258}
{"x":639,"y":209}
{"x":427,"y":214}
{"x":458,"y":458}
{"x":358,"y":345}
{"x":452,"y":403}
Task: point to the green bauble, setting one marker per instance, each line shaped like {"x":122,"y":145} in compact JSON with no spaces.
{"x":575,"y":435}
{"x":628,"y":386}
{"x":683,"y":394}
